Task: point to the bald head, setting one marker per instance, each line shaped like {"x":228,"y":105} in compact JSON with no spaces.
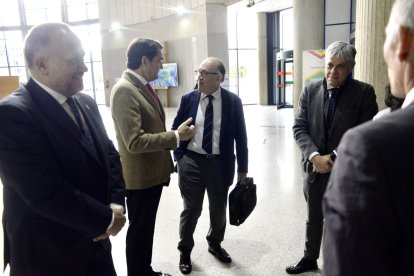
{"x":399,"y":48}
{"x":54,"y":55}
{"x":211,"y":74}
{"x":39,"y":39}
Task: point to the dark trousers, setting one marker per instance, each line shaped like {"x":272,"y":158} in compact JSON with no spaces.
{"x":196,"y":175}
{"x":314,"y":225}
{"x":50,"y":255}
{"x":142,"y":212}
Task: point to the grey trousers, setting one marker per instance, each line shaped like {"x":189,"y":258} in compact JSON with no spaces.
{"x":314,"y":225}
{"x":196,"y":175}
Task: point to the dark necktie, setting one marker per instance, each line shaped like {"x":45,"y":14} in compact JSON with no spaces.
{"x":83,"y":127}
{"x":154,"y":95}
{"x":208,"y":126}
{"x":331,"y":106}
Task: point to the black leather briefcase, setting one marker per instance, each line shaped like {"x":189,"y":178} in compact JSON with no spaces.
{"x":242,"y":200}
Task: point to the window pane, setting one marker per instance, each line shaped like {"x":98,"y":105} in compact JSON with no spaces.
{"x":4,"y":71}
{"x":3,"y":52}
{"x":248,"y":77}
{"x":93,"y":11}
{"x":75,"y":2}
{"x":9,"y":13}
{"x":99,"y":83}
{"x":76,"y":13}
{"x":90,"y":36}
{"x":246,"y":30}
{"x":286,"y":30}
{"x":14,"y":45}
{"x":19,"y":71}
{"x":87,"y":81}
{"x":42,"y":11}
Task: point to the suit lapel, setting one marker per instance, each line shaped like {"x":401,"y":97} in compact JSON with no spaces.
{"x":52,"y":110}
{"x":344,"y":102}
{"x":92,"y":125}
{"x":318,"y":108}
{"x":194,"y":103}
{"x":143,"y":90}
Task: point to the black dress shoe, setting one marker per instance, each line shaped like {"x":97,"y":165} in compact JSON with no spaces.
{"x":161,"y":274}
{"x":219,"y":253}
{"x":185,"y":264}
{"x":303,"y":265}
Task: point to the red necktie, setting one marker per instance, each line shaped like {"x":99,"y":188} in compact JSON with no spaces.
{"x":154,"y":95}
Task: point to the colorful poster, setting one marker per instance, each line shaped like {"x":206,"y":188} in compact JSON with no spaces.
{"x":313,"y":67}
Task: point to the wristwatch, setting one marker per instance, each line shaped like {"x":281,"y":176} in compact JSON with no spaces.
{"x":332,"y":155}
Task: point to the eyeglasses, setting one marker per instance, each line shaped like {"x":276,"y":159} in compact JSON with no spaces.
{"x":204,"y":73}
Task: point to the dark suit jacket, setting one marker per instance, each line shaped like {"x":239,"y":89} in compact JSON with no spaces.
{"x":357,"y":104}
{"x":369,"y":201}
{"x":233,"y":129}
{"x":54,"y":184}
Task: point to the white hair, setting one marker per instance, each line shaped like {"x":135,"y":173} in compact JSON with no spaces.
{"x":403,"y":14}
{"x":343,"y":50}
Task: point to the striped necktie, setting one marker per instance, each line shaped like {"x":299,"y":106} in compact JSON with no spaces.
{"x":208,"y":126}
{"x":83,"y":127}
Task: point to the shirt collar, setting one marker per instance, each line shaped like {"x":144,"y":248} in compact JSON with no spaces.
{"x":409,"y":98}
{"x":138,"y":76}
{"x":57,"y":96}
{"x":216,"y":94}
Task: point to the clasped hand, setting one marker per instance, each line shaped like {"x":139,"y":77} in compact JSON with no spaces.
{"x":322,"y":163}
{"x":186,"y":132}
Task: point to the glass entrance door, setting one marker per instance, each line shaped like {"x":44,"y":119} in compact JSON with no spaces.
{"x":284,"y":79}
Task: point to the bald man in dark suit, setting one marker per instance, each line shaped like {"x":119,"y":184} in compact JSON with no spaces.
{"x":62,"y":181}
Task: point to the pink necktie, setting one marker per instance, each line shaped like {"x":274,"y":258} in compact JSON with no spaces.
{"x":154,"y":95}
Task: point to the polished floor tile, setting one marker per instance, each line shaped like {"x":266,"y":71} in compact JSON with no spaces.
{"x":271,"y":238}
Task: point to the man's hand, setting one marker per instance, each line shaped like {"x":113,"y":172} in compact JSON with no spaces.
{"x":322,"y":163}
{"x":186,"y":132}
{"x":119,"y":222}
{"x":118,"y":214}
{"x":241,"y":177}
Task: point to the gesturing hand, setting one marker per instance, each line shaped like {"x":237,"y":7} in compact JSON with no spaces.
{"x":186,"y":132}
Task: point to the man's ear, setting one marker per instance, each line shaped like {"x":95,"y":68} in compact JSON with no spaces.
{"x":41,"y":65}
{"x":145,"y":60}
{"x":405,"y":43}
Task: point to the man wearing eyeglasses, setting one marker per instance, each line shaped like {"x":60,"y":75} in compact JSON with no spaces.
{"x":207,"y":161}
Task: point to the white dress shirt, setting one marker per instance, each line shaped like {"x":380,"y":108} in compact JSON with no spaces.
{"x":197,"y":141}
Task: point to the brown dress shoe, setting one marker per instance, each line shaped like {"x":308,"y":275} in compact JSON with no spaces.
{"x":185,"y":264}
{"x":219,"y":253}
{"x":304,"y":265}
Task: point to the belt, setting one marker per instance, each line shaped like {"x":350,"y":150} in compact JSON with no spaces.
{"x":206,"y":156}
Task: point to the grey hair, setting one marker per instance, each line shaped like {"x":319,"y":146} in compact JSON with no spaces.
{"x":342,"y":50}
{"x":38,"y":39}
{"x":403,"y":13}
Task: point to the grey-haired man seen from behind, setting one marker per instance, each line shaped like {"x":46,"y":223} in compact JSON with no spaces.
{"x":326,"y":110}
{"x":368,"y":205}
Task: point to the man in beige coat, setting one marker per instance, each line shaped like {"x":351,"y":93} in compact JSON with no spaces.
{"x":144,"y":146}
